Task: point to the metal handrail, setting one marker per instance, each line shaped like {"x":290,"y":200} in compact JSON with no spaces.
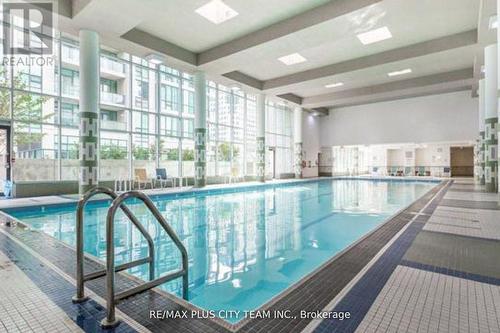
{"x":80,"y":277}
{"x":111,"y":299}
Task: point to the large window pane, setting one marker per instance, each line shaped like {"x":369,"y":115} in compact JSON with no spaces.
{"x":69,"y":148}
{"x":143,"y":122}
{"x":188,"y":94}
{"x":187,"y":158}
{"x":114,"y":162}
{"x":170,"y":94}
{"x":169,"y":155}
{"x":114,"y":119}
{"x":224,"y":158}
{"x":143,"y":89}
{"x":69,"y":114}
{"x":239,"y":111}
{"x":4,"y":103}
{"x":114,"y":81}
{"x":35,"y":151}
{"x":144,"y":153}
{"x":188,"y":128}
{"x":4,"y":73}
{"x":237,"y":160}
{"x":212,"y":104}
{"x":30,"y":107}
{"x":169,"y":126}
{"x":37,"y":76}
{"x":224,"y":107}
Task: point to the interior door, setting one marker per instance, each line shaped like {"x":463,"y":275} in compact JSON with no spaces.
{"x":4,"y":156}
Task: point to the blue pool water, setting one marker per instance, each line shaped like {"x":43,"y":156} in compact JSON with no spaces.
{"x":246,"y":246}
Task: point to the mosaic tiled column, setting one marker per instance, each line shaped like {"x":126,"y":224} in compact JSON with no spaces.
{"x":200,"y":130}
{"x":297,"y":138}
{"x":261,"y":138}
{"x":491,"y":118}
{"x":481,"y":156}
{"x":491,"y":153}
{"x":89,"y":109}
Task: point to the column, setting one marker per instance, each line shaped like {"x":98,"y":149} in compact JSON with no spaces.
{"x":200,"y":130}
{"x":297,"y":139}
{"x":481,"y":164}
{"x":491,"y":118}
{"x":89,"y":109}
{"x":261,"y":137}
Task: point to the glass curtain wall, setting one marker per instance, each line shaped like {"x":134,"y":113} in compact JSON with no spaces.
{"x":231,"y":131}
{"x":279,"y":139}
{"x":146,"y":120}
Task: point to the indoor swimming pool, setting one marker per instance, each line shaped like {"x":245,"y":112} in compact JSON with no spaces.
{"x":245,"y":245}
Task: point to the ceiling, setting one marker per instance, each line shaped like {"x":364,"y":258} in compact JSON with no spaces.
{"x":429,"y":36}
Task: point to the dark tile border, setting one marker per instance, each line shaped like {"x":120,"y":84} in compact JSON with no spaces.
{"x":489,"y":205}
{"x":313,"y":293}
{"x":451,"y":272}
{"x":455,"y":189}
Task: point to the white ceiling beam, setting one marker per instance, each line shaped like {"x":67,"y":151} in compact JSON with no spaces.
{"x":403,"y":53}
{"x":432,"y":84}
{"x":320,"y":14}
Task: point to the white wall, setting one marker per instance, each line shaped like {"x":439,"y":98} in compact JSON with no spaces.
{"x":437,"y":118}
{"x":310,"y":144}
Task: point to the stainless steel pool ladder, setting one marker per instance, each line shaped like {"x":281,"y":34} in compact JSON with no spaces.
{"x":111,"y":298}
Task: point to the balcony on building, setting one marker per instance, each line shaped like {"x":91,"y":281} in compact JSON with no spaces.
{"x":112,"y":99}
{"x":112,"y":69}
{"x":115,"y":120}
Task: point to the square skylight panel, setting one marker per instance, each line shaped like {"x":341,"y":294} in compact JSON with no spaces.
{"x":374,"y":36}
{"x":292,"y":59}
{"x":216,"y":12}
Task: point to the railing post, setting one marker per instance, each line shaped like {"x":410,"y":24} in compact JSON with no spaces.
{"x":80,"y":292}
{"x":110,"y":320}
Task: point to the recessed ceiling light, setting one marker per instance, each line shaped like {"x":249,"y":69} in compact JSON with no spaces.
{"x":374,"y":36}
{"x":216,"y":11}
{"x":334,"y":85}
{"x":292,"y":59}
{"x":493,"y":22}
{"x":155,"y":58}
{"x":401,"y":72}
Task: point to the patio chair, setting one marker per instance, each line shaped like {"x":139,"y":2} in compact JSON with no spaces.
{"x":141,"y":178}
{"x":163,"y":178}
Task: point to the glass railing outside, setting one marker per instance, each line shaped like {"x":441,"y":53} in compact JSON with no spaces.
{"x":70,"y":55}
{"x":112,"y":66}
{"x":113,"y":125}
{"x":70,"y":91}
{"x":111,"y":98}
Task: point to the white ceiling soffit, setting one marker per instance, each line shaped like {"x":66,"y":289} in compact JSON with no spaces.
{"x":406,"y":52}
{"x":432,"y":84}
{"x":246,"y":48}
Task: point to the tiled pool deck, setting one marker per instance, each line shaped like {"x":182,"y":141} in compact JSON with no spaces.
{"x":434,"y":267}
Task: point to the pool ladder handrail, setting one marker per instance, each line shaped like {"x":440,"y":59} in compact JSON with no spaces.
{"x":112,"y":299}
{"x":81,"y":278}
